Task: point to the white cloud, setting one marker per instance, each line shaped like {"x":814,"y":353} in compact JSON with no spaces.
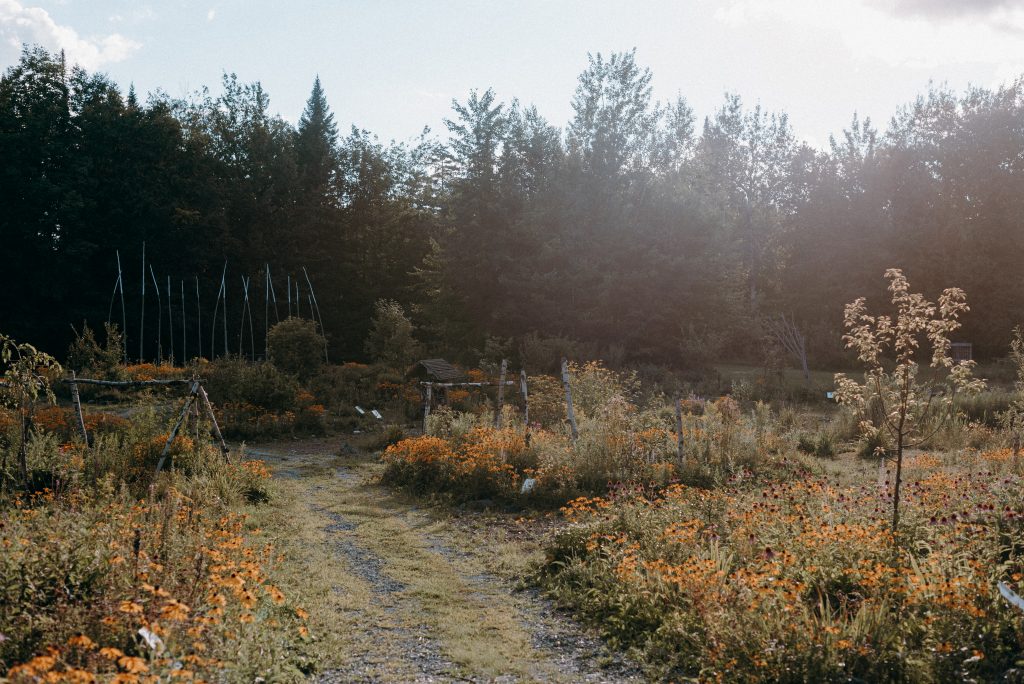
{"x":211,"y":14}
{"x":901,"y":33}
{"x":20,"y":24}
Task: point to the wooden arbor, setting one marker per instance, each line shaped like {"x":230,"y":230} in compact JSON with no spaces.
{"x":196,"y":396}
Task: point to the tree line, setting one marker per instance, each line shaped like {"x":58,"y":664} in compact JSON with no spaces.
{"x":636,"y":232}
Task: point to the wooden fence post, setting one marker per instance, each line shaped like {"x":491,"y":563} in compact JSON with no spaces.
{"x":426,"y":405}
{"x":523,"y":390}
{"x":568,"y":400}
{"x":78,"y":409}
{"x":679,"y":431}
{"x":501,"y":394}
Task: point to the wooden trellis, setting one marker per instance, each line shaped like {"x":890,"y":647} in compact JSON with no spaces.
{"x":196,"y":396}
{"x":429,"y":385}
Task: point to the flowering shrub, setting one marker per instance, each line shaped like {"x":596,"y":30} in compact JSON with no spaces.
{"x":478,"y":466}
{"x":802,"y":581}
{"x":152,"y":371}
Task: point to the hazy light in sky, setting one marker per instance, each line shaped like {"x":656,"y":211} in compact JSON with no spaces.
{"x":394,"y":67}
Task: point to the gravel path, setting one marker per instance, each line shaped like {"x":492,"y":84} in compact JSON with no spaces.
{"x":397,"y":635}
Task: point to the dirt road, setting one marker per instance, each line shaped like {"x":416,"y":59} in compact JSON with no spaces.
{"x":408,"y":594}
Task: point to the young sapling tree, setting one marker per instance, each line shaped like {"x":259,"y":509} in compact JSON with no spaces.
{"x":894,"y":403}
{"x":27,"y":374}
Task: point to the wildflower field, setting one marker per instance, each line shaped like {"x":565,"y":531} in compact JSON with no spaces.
{"x":110,"y":574}
{"x":804,"y":580}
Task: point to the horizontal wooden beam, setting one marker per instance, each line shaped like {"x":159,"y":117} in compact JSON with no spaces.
{"x":124,"y":383}
{"x":467,"y":384}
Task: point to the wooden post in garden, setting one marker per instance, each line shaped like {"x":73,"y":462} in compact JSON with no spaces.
{"x":526,"y":398}
{"x":679,"y":431}
{"x":78,"y":409}
{"x":177,"y":426}
{"x":213,"y":421}
{"x":426,"y":405}
{"x":568,"y":400}
{"x":501,"y":394}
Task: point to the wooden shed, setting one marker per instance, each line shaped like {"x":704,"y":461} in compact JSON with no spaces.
{"x":435,"y":370}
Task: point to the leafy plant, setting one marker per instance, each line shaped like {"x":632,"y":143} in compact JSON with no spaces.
{"x":28,"y":373}
{"x":909,"y":410}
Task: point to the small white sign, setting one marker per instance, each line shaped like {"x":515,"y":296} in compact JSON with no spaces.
{"x":376,"y":414}
{"x":830,"y":395}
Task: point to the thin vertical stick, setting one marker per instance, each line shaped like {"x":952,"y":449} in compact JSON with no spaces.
{"x":288,"y":284}
{"x":184,"y":326}
{"x":266,"y":311}
{"x":224,"y":288}
{"x":241,"y":325}
{"x":426,"y":405}
{"x":213,"y":422}
{"x":199,"y":319}
{"x":142,"y":316}
{"x":216,"y":307}
{"x":568,"y":400}
{"x":113,"y":296}
{"x":679,"y":430}
{"x":273,"y":295}
{"x":170,"y":318}
{"x":526,"y":398}
{"x":76,"y":399}
{"x":501,"y":394}
{"x":316,"y":307}
{"x":159,"y":319}
{"x":124,"y":316}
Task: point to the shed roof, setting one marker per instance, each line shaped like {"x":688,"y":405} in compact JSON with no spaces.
{"x":440,"y":370}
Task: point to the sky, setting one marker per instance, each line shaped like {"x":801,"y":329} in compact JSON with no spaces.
{"x":394,"y":66}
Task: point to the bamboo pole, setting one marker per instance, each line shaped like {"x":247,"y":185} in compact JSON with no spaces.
{"x":314,"y":306}
{"x":266,"y":312}
{"x":568,"y":400}
{"x":241,"y":319}
{"x":159,"y":319}
{"x":501,"y":394}
{"x":77,"y":400}
{"x":213,"y":421}
{"x":224,"y":288}
{"x":177,"y":426}
{"x":142,"y":316}
{"x":216,"y":308}
{"x":124,"y":316}
{"x":184,"y":326}
{"x":199,"y":319}
{"x":170,"y":318}
{"x":273,"y":295}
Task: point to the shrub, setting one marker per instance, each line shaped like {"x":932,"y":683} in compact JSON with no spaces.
{"x":85,"y":355}
{"x":237,"y":381}
{"x":295,"y":347}
{"x":390,"y":341}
